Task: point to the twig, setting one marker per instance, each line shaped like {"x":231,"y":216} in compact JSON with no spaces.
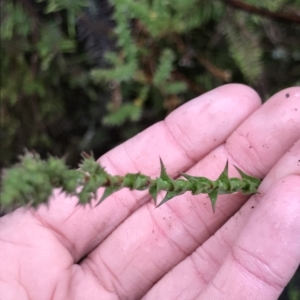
{"x":280,"y":16}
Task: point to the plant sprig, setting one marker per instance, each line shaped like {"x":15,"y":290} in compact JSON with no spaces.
{"x":32,"y":180}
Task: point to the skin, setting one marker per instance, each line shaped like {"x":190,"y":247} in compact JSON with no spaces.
{"x":127,"y":249}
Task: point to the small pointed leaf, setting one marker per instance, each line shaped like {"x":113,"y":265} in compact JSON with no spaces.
{"x":224,"y":175}
{"x":153,"y":192}
{"x":186,"y":176}
{"x":245,"y":176}
{"x":168,"y":196}
{"x":163,"y":172}
{"x":213,"y":198}
{"x":107,"y":192}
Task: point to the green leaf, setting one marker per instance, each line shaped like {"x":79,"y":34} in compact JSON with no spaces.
{"x":168,"y":196}
{"x":163,"y":172}
{"x":107,"y":192}
{"x":223,"y":181}
{"x":126,"y":112}
{"x":164,"y":68}
{"x":153,"y":191}
{"x":213,"y":195}
{"x":244,"y":175}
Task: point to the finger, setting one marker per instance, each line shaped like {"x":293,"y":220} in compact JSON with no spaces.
{"x":178,"y":140}
{"x":150,"y":243}
{"x":288,"y":164}
{"x":267,"y":252}
{"x":202,"y":265}
{"x":267,"y":134}
{"x":32,"y":259}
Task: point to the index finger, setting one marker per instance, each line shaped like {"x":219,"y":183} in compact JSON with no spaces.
{"x":187,"y":135}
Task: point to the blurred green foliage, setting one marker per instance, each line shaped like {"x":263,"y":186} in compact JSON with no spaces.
{"x":42,"y":72}
{"x":86,"y":75}
{"x":74,"y":72}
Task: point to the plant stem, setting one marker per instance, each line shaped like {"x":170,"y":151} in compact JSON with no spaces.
{"x":32,"y":181}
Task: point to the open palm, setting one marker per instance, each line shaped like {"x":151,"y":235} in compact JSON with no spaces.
{"x":127,"y":249}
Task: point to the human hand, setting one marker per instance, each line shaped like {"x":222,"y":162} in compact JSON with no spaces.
{"x":127,"y":249}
